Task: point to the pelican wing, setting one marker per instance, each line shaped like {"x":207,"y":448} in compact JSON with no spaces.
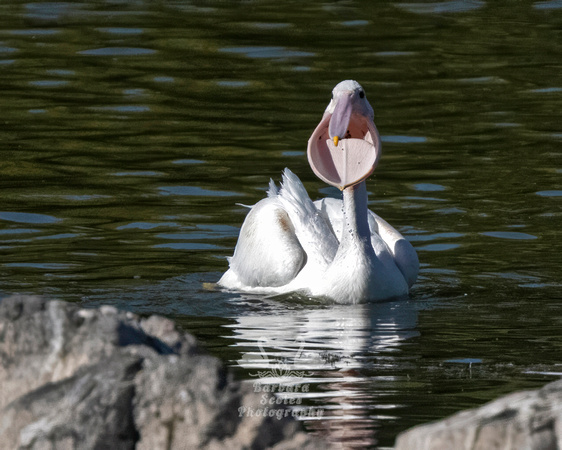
{"x":268,"y":253}
{"x":405,"y":255}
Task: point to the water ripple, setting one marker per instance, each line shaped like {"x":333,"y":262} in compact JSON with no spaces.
{"x":122,"y":108}
{"x":146,"y":225}
{"x":404,"y":139}
{"x":270,"y":25}
{"x":553,"y":4}
{"x":394,"y":53}
{"x":164,"y":79}
{"x":429,"y":187}
{"x":547,"y":90}
{"x":34,"y":32}
{"x":233,"y":83}
{"x":123,"y":31}
{"x":49,"y":83}
{"x":482,"y":80}
{"x":20,"y":217}
{"x":508,"y":235}
{"x":355,"y":23}
{"x":18,"y":231}
{"x":7,"y":49}
{"x":195,"y":191}
{"x":188,"y":161}
{"x":138,"y":173}
{"x":42,"y":266}
{"x":188,"y":246}
{"x":267,"y":52}
{"x":452,"y":6}
{"x":118,"y":51}
{"x":552,"y":193}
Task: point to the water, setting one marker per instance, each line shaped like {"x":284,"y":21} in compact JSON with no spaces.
{"x":131,"y":131}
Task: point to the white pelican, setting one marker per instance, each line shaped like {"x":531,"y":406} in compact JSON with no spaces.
{"x":336,"y":249}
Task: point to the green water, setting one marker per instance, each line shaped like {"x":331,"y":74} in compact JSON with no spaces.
{"x":131,"y":130}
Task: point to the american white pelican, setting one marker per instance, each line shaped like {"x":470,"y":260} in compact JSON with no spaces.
{"x":336,"y":249}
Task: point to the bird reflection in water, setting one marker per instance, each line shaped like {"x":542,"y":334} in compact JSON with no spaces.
{"x":332,"y":367}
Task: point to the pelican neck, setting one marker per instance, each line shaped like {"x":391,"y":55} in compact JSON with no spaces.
{"x":355,"y":212}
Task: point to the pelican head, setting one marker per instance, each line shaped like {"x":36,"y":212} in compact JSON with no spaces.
{"x":345,"y":146}
{"x":348,"y":99}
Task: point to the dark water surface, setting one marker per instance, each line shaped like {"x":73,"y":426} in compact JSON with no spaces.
{"x":130,"y":130}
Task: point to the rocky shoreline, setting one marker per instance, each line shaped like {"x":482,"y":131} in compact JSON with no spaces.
{"x":74,"y":378}
{"x":525,"y":420}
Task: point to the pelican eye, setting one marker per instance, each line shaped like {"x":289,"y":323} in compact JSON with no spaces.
{"x":361,"y":94}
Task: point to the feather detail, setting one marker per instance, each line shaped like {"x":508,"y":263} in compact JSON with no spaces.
{"x":273,"y":190}
{"x":313,"y":231}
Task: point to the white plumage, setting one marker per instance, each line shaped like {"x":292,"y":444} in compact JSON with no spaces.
{"x":289,"y":243}
{"x":330,"y":248}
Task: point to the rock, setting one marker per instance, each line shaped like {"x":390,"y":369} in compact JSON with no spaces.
{"x":530,"y":420}
{"x":73,"y":378}
{"x":91,"y":409}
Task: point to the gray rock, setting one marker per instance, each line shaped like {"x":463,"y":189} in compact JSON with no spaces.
{"x":530,"y":420}
{"x":73,"y":378}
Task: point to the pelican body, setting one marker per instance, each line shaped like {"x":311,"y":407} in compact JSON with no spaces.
{"x":331,"y":248}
